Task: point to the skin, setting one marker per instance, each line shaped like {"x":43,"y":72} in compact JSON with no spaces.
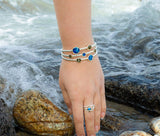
{"x":82,"y":84}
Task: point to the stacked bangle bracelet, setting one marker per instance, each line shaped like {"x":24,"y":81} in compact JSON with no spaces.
{"x":75,"y":52}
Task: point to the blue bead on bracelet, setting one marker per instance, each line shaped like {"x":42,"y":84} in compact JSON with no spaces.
{"x":76,"y":50}
{"x":90,"y":57}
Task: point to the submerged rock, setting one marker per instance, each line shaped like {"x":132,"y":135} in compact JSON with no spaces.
{"x":135,"y":133}
{"x":36,"y":114}
{"x":111,"y":123}
{"x":137,"y":91}
{"x":6,"y":120}
{"x":2,"y":85}
{"x":155,"y":125}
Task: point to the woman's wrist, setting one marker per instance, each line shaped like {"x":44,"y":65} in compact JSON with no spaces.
{"x":78,"y":53}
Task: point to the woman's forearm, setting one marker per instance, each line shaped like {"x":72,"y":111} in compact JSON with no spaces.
{"x":74,"y":22}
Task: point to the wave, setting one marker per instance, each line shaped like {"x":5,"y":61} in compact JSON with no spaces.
{"x":27,"y":6}
{"x":129,"y":42}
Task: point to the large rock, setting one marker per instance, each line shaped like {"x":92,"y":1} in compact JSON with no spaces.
{"x":36,"y":114}
{"x":155,"y":125}
{"x":6,"y":120}
{"x":137,"y":91}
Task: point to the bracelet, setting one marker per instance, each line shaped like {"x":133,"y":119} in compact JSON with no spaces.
{"x":83,"y":54}
{"x":90,"y":57}
{"x":76,"y":50}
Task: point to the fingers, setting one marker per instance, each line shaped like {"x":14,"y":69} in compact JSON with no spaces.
{"x":78,"y":117}
{"x":66,"y":99}
{"x":97,"y":111}
{"x":103,"y":99}
{"x":89,"y":116}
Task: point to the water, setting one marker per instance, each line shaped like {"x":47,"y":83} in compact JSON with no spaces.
{"x":127,"y":33}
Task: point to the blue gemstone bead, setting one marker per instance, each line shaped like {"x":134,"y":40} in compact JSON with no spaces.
{"x":76,"y":50}
{"x":90,"y":57}
{"x":84,"y":54}
{"x":89,"y":109}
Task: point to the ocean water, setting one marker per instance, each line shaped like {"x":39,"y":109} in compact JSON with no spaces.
{"x":127,"y":33}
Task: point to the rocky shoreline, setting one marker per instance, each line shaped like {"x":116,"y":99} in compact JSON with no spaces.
{"x":137,"y":91}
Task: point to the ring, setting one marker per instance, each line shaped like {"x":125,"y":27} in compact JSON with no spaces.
{"x":89,"y":107}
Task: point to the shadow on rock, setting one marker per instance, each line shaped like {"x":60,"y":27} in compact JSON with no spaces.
{"x":6,"y":125}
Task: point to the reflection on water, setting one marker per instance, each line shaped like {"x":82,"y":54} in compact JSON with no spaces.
{"x":127,"y":33}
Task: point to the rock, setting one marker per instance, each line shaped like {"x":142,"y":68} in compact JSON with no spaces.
{"x":2,"y":85}
{"x":36,"y":114}
{"x":111,"y":123}
{"x":137,"y":91}
{"x":135,"y":133}
{"x":22,"y":133}
{"x":10,"y":90}
{"x":6,"y":120}
{"x":155,"y":125}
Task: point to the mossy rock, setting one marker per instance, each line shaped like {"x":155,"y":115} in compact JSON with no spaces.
{"x":36,"y":114}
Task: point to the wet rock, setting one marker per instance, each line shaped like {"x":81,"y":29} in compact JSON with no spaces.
{"x":155,"y":125}
{"x":36,"y":114}
{"x":111,"y":123}
{"x":6,"y":120}
{"x":2,"y":85}
{"x":22,"y":133}
{"x":135,"y":133}
{"x":137,"y":91}
{"x":10,"y":90}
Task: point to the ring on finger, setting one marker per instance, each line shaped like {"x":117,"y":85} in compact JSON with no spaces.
{"x":89,"y":107}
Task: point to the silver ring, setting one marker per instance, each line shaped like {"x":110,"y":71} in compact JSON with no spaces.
{"x":89,"y":107}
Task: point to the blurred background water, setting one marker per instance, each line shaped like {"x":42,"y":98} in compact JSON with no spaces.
{"x":127,"y":33}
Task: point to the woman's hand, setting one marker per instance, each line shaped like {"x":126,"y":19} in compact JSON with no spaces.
{"x":82,"y":84}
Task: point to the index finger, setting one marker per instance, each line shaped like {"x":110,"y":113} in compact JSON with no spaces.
{"x":77,"y":109}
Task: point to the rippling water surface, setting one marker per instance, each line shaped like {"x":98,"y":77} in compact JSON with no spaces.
{"x":127,"y":33}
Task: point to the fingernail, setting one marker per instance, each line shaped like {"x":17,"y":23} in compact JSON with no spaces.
{"x":96,"y":128}
{"x":102,"y":115}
